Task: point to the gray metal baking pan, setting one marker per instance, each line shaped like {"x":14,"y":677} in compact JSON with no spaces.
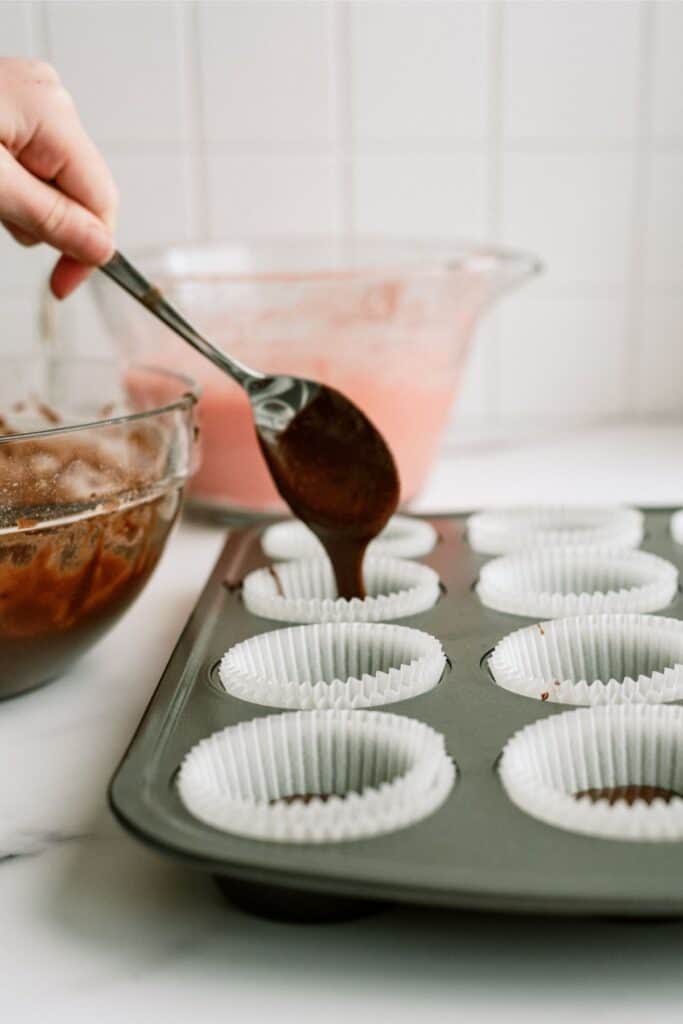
{"x":477,"y":851}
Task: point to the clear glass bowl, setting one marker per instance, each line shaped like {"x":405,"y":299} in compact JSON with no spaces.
{"x":388,"y":323}
{"x":93,"y":462}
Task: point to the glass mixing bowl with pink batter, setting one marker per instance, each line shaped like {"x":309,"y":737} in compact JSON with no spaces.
{"x":387,"y":323}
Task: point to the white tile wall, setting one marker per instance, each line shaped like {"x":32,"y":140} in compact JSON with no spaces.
{"x":156,"y":202}
{"x":664,"y":240}
{"x":22,"y":270}
{"x":575,"y":209}
{"x":121,"y":62}
{"x":555,"y":126}
{"x":420,"y":72}
{"x":667,"y":114}
{"x":421,"y":194}
{"x":570,"y":70}
{"x":660,"y":377}
{"x":265,"y":196}
{"x":266,"y":72}
{"x":550,"y":373}
{"x":17,"y":37}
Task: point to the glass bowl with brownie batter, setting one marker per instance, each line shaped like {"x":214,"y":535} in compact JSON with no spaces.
{"x":94,"y":457}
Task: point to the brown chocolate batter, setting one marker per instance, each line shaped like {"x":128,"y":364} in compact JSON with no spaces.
{"x":628,"y":794}
{"x":276,"y":579}
{"x":301,"y":798}
{"x":62,"y":587}
{"x":336,"y":473}
{"x":82,"y":527}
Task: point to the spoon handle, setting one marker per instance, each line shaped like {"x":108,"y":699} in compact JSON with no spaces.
{"x":120,"y":270}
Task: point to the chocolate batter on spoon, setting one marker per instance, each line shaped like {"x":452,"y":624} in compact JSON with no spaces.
{"x":329,"y":463}
{"x":336,"y":473}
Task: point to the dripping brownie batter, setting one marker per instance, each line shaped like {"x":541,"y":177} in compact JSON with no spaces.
{"x":336,"y":473}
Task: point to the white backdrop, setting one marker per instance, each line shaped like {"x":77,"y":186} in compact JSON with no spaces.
{"x":555,"y":126}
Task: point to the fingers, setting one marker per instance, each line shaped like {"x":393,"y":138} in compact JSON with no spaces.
{"x":54,"y":184}
{"x":37,"y":209}
{"x":61,"y":151}
{"x":19,"y":236}
{"x":67,"y":275}
{"x":41,"y":128}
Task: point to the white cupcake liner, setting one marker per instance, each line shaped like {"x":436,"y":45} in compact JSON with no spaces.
{"x":544,"y":764}
{"x":596,"y":659}
{"x":500,"y":532}
{"x":677,"y":526}
{"x":396,"y":589}
{"x":384,"y":772}
{"x":402,"y":537}
{"x":560,"y":582}
{"x":333,"y":665}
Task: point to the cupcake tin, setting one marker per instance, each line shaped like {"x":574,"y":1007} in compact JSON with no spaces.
{"x":477,"y":850}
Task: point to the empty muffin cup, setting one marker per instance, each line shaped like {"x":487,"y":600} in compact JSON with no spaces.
{"x":402,"y":537}
{"x":305,"y":591}
{"x":611,"y":772}
{"x":560,"y":582}
{"x":502,"y":531}
{"x":333,"y":665}
{"x":677,"y":526}
{"x":594,"y":659}
{"x":317,"y":776}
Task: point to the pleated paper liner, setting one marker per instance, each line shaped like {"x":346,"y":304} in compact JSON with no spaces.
{"x":610,"y":772}
{"x":333,"y":665}
{"x":305,"y":591}
{"x":560,"y":582}
{"x":317,"y":776}
{"x":594,"y":659}
{"x":677,"y":526}
{"x":402,"y":537}
{"x":499,"y":532}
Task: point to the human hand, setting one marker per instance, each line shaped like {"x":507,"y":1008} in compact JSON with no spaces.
{"x":54,"y":184}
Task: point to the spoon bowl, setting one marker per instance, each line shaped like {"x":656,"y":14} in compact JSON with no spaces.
{"x":328,"y":461}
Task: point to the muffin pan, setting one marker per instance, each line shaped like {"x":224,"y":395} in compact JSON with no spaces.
{"x":478,"y":848}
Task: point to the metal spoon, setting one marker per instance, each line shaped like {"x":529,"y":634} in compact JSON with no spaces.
{"x":328,"y":461}
{"x":275,"y":400}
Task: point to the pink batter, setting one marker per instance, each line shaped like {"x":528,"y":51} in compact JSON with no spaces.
{"x":409,"y":405}
{"x":394,"y":345}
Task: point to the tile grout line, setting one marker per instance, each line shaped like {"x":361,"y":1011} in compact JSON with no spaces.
{"x":487,"y":419}
{"x":400,"y":149}
{"x":452,"y":148}
{"x":40,"y":33}
{"x":496,"y":27}
{"x":193,"y":103}
{"x":340,"y":87}
{"x":635,"y":292}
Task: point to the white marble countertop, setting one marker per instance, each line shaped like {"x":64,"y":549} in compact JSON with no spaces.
{"x":97,"y":928}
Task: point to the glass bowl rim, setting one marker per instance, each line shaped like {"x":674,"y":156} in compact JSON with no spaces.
{"x":435,"y":258}
{"x":186,"y":400}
